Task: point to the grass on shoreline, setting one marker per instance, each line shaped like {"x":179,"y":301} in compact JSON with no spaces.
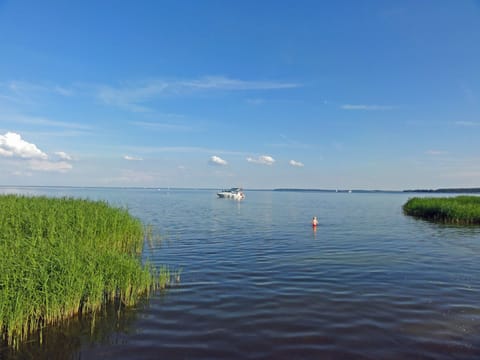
{"x":63,"y":256}
{"x":459,"y":210}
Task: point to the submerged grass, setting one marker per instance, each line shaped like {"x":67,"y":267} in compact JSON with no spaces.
{"x":63,"y":256}
{"x":459,"y":210}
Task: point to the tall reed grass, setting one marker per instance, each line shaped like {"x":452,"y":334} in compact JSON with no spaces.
{"x":63,"y":256}
{"x":460,"y":210}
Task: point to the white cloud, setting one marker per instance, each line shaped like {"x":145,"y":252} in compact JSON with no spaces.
{"x":132,"y":158}
{"x":43,"y":165}
{"x":296,"y":163}
{"x":263,"y":160}
{"x":63,"y":155}
{"x":215,"y":160}
{"x":367,"y":107}
{"x":12,"y":145}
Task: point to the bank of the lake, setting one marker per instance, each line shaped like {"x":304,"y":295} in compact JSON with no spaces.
{"x":460,"y":210}
{"x":65,"y":256}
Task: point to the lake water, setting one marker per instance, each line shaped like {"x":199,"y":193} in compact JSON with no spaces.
{"x":258,"y":282}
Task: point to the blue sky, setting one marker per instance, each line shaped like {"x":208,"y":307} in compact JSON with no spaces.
{"x":260,"y":94}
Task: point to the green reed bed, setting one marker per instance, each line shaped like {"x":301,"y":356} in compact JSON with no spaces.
{"x":459,"y":210}
{"x":63,"y":256}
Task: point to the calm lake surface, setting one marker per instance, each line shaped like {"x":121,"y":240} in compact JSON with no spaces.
{"x":257,"y":282}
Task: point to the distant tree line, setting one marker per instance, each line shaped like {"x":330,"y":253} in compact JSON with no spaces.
{"x":454,"y":190}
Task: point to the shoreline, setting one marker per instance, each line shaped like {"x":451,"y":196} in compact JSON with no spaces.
{"x":64,"y":256}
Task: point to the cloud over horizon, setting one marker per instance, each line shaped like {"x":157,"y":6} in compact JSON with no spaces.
{"x":12,"y":145}
{"x":262,"y":159}
{"x":132,"y":158}
{"x":216,"y":160}
{"x":63,"y":155}
{"x":296,"y":163}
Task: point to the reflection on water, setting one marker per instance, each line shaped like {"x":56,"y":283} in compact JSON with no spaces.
{"x":110,"y":326}
{"x":259,"y":282}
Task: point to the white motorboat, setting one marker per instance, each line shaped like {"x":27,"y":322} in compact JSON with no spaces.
{"x":233,"y":193}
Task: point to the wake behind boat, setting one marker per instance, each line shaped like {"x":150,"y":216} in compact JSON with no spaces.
{"x":233,"y":193}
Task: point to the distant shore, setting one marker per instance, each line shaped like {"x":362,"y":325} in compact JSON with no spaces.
{"x":448,"y":190}
{"x":163,"y":188}
{"x":443,"y":190}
